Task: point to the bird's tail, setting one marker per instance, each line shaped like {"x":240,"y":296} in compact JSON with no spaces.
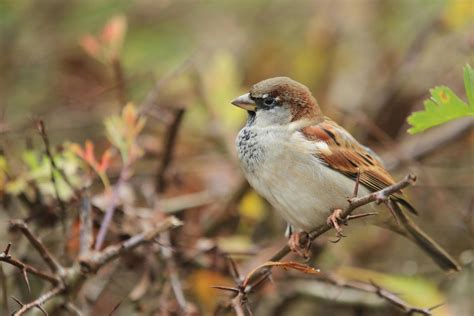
{"x":429,"y":246}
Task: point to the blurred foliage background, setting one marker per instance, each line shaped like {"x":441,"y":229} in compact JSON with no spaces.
{"x":370,"y":64}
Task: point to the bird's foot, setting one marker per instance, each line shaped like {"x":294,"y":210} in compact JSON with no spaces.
{"x":335,"y":220}
{"x":300,"y":244}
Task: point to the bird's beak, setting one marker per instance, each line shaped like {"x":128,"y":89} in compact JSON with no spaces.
{"x":245,"y":102}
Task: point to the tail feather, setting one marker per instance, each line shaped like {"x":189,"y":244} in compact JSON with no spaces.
{"x":428,"y":245}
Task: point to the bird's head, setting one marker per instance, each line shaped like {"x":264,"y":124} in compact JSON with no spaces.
{"x":279,"y":100}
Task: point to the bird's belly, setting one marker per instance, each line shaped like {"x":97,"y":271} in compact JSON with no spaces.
{"x":301,"y":188}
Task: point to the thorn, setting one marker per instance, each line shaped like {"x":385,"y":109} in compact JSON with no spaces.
{"x":233,"y":269}
{"x":17,"y":300}
{"x":357,"y":182}
{"x":42,"y":310}
{"x":261,"y":281}
{"x":115,"y":308}
{"x":392,"y":211}
{"x":226,"y":288}
{"x":40,"y":126}
{"x":435,"y":307}
{"x":7,"y":249}
{"x":25,"y":275}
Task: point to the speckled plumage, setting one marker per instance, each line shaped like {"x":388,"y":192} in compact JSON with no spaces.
{"x":305,"y":165}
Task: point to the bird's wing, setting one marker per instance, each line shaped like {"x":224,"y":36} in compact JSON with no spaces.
{"x":347,"y":156}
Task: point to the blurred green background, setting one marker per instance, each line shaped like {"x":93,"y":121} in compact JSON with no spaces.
{"x":369,"y":64}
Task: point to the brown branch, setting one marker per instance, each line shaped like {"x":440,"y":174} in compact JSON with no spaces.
{"x":173,"y":273}
{"x":384,"y":294}
{"x":44,"y":136}
{"x":96,"y":260}
{"x":110,"y":209}
{"x":40,"y":301}
{"x":168,"y":150}
{"x":54,"y":167}
{"x":48,"y":258}
{"x":3,"y":280}
{"x":27,"y":268}
{"x":259,"y":275}
{"x":354,"y":203}
{"x":238,"y":303}
{"x":85,"y":235}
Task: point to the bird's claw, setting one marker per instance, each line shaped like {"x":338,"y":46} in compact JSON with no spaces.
{"x":300,"y":244}
{"x":335,"y":220}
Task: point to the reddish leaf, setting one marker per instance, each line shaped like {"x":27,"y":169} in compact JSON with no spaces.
{"x":90,"y":45}
{"x":104,"y":161}
{"x":285,"y":265}
{"x":114,"y":31}
{"x":89,"y":153}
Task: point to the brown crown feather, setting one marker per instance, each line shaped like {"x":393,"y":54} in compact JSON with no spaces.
{"x":301,"y":101}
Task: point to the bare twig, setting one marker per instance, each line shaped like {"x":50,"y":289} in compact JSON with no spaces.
{"x":86,"y":225}
{"x":168,"y":150}
{"x":110,"y":209}
{"x":54,"y":167}
{"x":398,"y":302}
{"x":261,"y":273}
{"x":96,"y":260}
{"x":44,"y":136}
{"x":238,"y":303}
{"x":354,"y":203}
{"x":40,"y":301}
{"x":386,"y":295}
{"x":173,"y":273}
{"x":38,"y":245}
{"x":357,"y":183}
{"x":3,"y":280}
{"x":27,"y":268}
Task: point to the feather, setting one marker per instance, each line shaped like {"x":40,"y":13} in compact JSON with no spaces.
{"x":347,"y":156}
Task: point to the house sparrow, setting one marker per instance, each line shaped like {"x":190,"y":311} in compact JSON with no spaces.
{"x":306,"y":165}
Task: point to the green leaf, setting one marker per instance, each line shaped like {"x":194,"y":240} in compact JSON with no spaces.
{"x":444,"y":105}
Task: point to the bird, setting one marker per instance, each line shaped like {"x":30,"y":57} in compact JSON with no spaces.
{"x":306,"y":165}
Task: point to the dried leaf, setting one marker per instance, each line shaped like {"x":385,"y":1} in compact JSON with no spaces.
{"x":285,"y":265}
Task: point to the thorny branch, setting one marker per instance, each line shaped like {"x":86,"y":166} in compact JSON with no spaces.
{"x":96,"y":260}
{"x":241,"y":291}
{"x":40,"y":301}
{"x":48,"y":258}
{"x":70,"y":280}
{"x":6,"y":257}
{"x":54,"y":167}
{"x":375,"y":289}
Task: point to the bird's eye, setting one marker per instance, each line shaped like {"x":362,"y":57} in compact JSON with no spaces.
{"x":269,"y":101}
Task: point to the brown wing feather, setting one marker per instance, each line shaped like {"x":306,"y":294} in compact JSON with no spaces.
{"x":348,"y":157}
